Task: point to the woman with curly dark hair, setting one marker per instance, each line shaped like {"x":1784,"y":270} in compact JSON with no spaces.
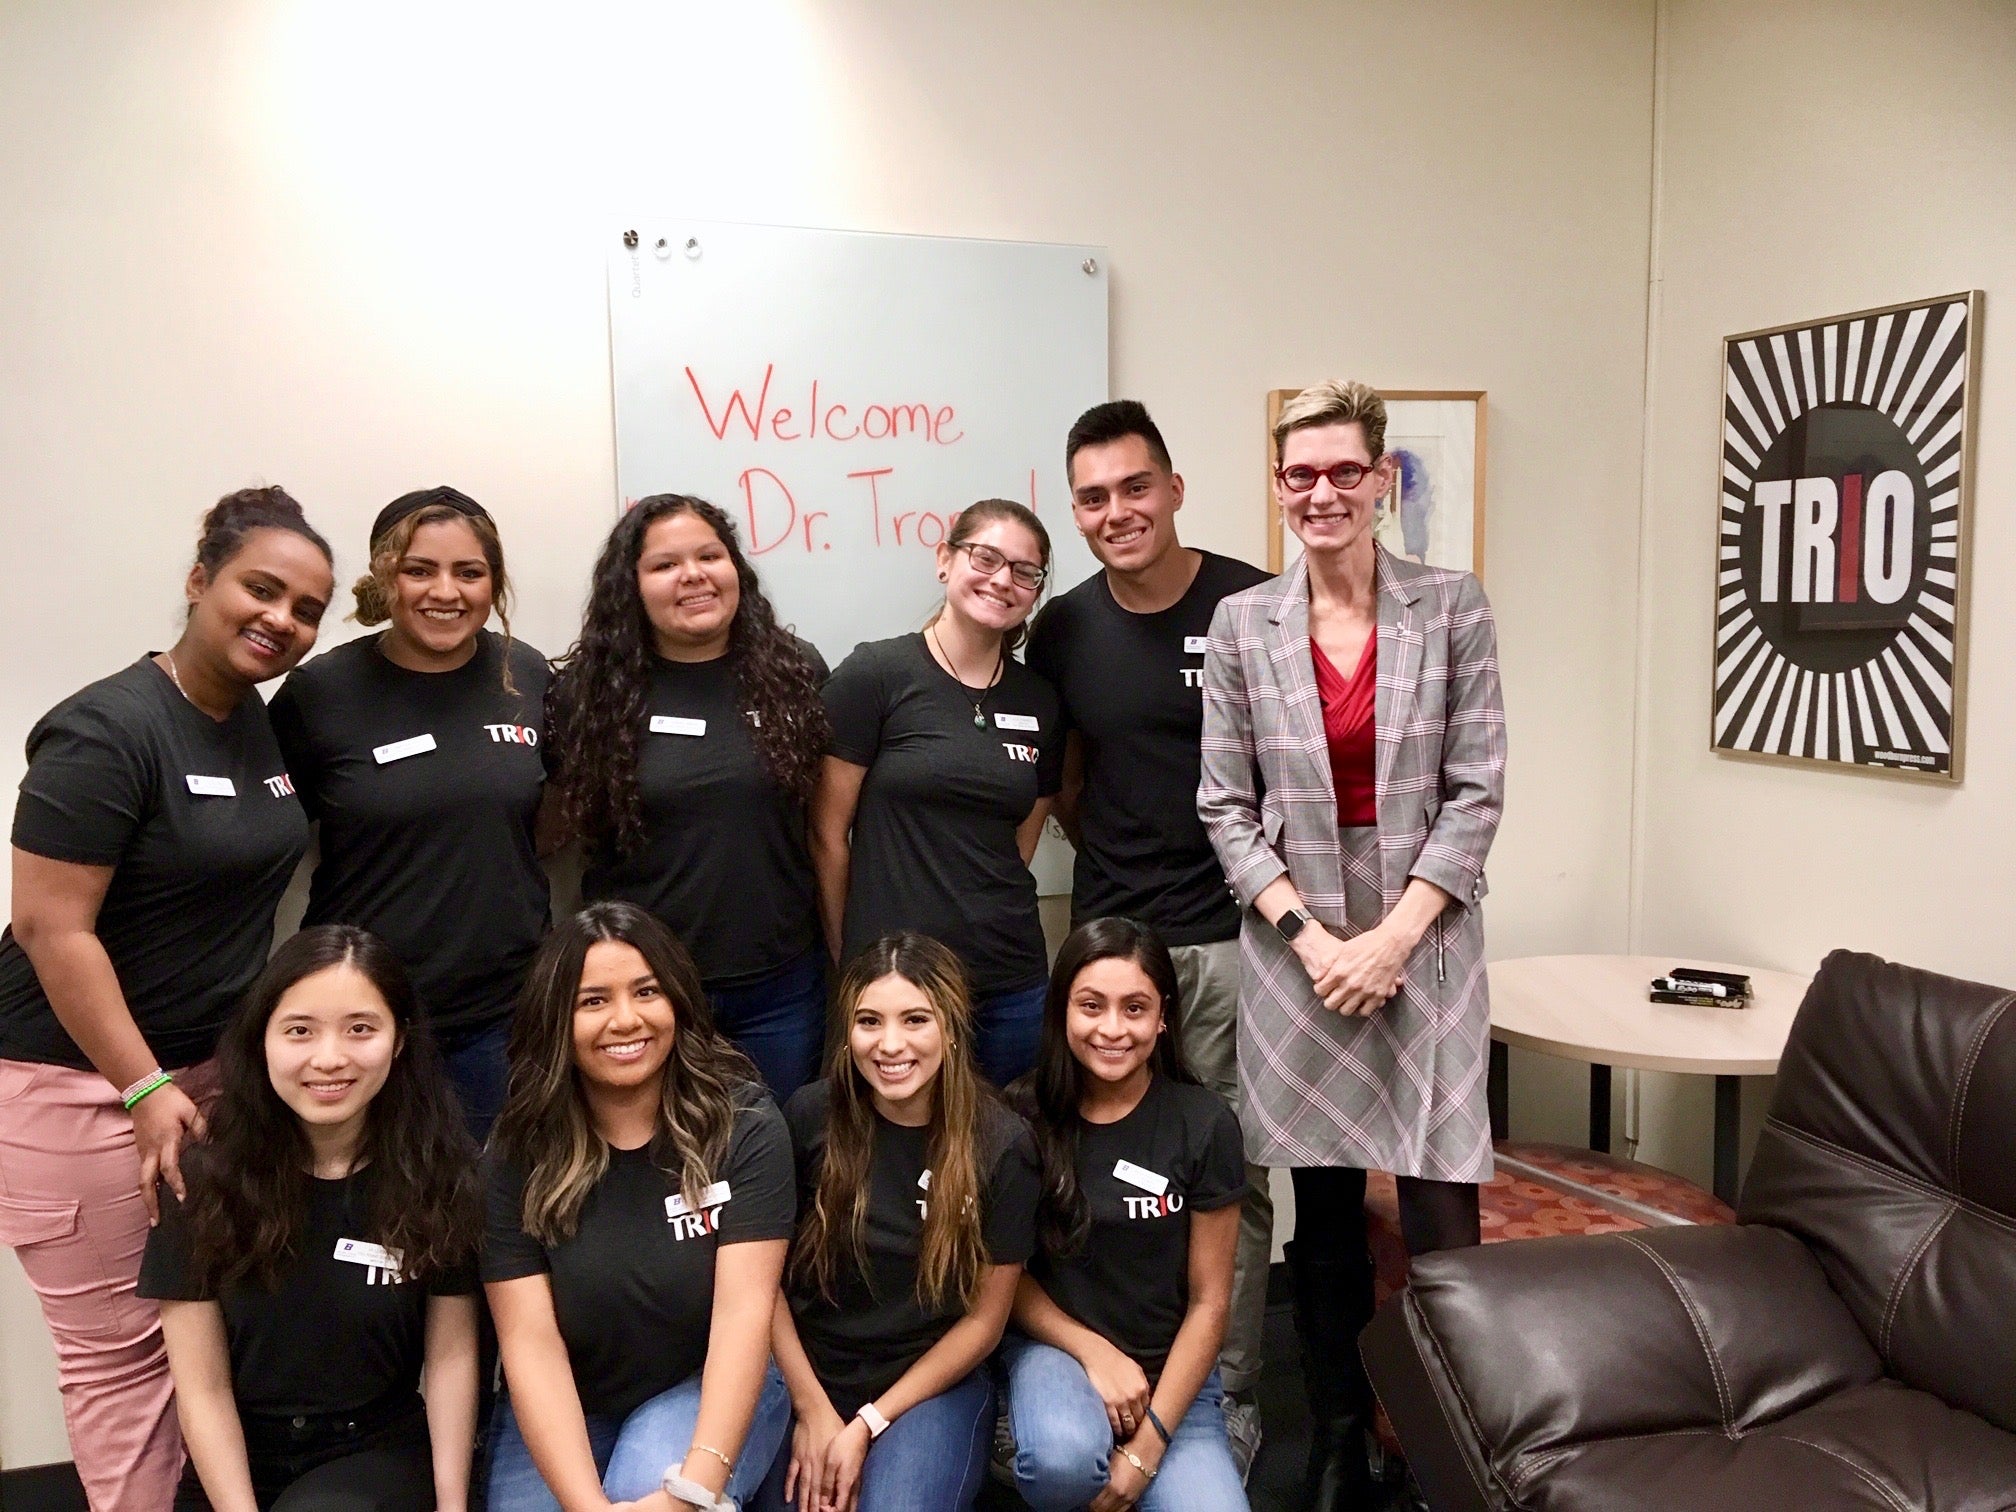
{"x":640,"y":1197}
{"x":325,"y":1255}
{"x":685,"y":732}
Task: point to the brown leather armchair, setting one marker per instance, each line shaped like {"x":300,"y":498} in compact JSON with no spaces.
{"x":1850,"y":1343}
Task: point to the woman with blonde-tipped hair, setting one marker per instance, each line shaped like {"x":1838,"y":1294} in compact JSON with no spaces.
{"x":1353,"y":778}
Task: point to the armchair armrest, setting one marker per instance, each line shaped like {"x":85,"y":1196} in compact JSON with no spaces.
{"x":1496,"y":1356}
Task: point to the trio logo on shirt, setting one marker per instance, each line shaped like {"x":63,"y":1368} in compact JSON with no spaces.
{"x":1026,"y":753}
{"x":1163,"y":1204}
{"x":687,"y":1224}
{"x":382,"y":1267}
{"x":281,"y":786}
{"x":510,"y":734}
{"x":923,"y":1207}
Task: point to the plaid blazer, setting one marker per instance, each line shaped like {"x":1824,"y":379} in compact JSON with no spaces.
{"x":1267,"y":801}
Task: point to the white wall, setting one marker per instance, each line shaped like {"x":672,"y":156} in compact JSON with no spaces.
{"x":356,"y":248}
{"x":1822,"y":158}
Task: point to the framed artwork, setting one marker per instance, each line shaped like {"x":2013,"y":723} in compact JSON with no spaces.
{"x":1841,"y":553}
{"x":1435,"y":513}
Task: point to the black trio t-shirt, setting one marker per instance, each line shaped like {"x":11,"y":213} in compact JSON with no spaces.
{"x":723,"y":861}
{"x":342,"y":1331}
{"x":633,"y":1290}
{"x":1132,"y":686}
{"x":426,"y":785}
{"x":1179,"y":1152}
{"x":934,"y":834}
{"x":874,"y":1329}
{"x":198,"y":820}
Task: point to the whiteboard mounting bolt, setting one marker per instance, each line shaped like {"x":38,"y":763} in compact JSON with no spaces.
{"x":662,"y":247}
{"x":692,"y":246}
{"x":1090,"y":265}
{"x":630,"y":240}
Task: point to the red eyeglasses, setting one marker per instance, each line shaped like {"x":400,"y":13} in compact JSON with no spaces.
{"x":1301,"y":477}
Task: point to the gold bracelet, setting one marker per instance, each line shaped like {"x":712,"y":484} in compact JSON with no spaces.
{"x":1135,"y":1460}
{"x":710,"y":1449}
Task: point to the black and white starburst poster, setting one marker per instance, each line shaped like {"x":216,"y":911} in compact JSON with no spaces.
{"x":1840,"y":621}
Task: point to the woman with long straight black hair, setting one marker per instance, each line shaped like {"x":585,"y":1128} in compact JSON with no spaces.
{"x":323,"y":1264}
{"x":1113,"y":1390}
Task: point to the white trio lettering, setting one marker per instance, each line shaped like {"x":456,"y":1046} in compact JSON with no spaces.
{"x":281,"y":786}
{"x":1154,"y":1207}
{"x":511,"y":734}
{"x":1024,"y":753}
{"x":1193,"y":677}
{"x":687,"y":1224}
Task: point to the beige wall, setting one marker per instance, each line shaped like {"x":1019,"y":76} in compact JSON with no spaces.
{"x":355,"y":248}
{"x":1821,"y":158}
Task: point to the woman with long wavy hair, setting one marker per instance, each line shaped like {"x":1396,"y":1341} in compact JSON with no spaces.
{"x":639,"y":1189}
{"x":945,"y":755}
{"x":1113,"y":1387}
{"x":918,"y":1190}
{"x":685,"y":732}
{"x":325,"y":1256}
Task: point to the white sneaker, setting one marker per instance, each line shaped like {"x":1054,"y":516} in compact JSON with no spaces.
{"x":1242,"y":1427}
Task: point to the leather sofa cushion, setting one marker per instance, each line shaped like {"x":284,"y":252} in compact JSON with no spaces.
{"x":1884,"y":1447}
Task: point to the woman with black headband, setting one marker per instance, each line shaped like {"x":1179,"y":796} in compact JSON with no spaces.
{"x":417,"y":750}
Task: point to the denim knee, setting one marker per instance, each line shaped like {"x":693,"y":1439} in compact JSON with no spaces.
{"x":1062,"y":1463}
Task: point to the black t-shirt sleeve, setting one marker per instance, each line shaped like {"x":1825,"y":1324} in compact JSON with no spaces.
{"x":290,"y":729}
{"x":1044,"y":654}
{"x":87,"y":790}
{"x":1013,"y":1186}
{"x":166,"y":1274}
{"x":1221,"y":1170}
{"x":508,"y":1251}
{"x":1050,"y":754}
{"x":821,"y":673}
{"x":854,"y":706}
{"x":761,"y":1177}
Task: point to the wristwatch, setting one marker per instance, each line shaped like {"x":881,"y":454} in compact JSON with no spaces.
{"x":693,"y":1494}
{"x":1291,"y":924}
{"x":877,"y":1424}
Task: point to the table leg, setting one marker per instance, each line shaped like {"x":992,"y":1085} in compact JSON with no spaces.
{"x":1498,"y":1091}
{"x":1599,"y":1109}
{"x":1728,"y":1136}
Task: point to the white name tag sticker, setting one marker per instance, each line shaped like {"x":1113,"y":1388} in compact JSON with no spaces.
{"x":1134,"y":1175}
{"x":211,"y":787}
{"x":1194,"y":645}
{"x":714,"y":1196}
{"x":1017,"y":722}
{"x":399,"y":750}
{"x":375,"y":1256}
{"x":674,"y":724}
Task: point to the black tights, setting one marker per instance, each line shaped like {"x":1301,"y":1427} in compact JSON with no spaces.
{"x":1330,"y":1213}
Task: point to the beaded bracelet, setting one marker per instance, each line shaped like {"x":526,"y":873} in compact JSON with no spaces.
{"x":153,"y":1081}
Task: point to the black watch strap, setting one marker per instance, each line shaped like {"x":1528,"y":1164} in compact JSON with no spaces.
{"x":1291,"y":924}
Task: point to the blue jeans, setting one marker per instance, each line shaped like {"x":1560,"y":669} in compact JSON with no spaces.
{"x":934,"y":1456}
{"x":633,"y":1454}
{"x":1063,"y":1441}
{"x":779,"y":1021}
{"x":478,"y":1071}
{"x":1008,"y":1026}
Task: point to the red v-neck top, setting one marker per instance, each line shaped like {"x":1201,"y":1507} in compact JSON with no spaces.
{"x":1348,"y":729}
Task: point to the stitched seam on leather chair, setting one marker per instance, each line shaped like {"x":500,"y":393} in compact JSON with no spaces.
{"x":1427,"y":1332}
{"x":1547,"y":1459}
{"x":1904,"y":1275}
{"x":1900,"y":1178}
{"x":1700,"y":1328}
{"x":1966,"y":1082}
{"x":1862,"y":1472}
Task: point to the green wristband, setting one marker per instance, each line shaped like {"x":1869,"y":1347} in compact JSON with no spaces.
{"x":153,"y":1083}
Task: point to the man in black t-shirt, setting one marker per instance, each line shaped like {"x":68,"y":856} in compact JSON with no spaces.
{"x":1125,"y":651}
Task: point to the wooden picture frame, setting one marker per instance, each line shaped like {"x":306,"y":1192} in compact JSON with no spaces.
{"x":1842,"y":540}
{"x":1447,"y":442}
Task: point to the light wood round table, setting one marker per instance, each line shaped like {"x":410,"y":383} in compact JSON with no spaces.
{"x":1593,"y":1008}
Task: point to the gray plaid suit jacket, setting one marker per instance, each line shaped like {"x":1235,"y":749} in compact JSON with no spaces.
{"x":1402,"y":1089}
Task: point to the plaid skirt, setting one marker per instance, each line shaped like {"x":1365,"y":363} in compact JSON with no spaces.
{"x":1402,"y":1089}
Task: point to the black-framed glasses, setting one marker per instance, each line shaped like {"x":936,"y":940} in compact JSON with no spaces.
{"x":987,"y":561}
{"x":1301,"y":477}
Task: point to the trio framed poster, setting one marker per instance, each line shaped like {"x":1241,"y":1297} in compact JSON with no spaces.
{"x":1841,"y":557}
{"x":1435,"y":513}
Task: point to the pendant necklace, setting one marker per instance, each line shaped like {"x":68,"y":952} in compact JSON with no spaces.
{"x":979,"y":719}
